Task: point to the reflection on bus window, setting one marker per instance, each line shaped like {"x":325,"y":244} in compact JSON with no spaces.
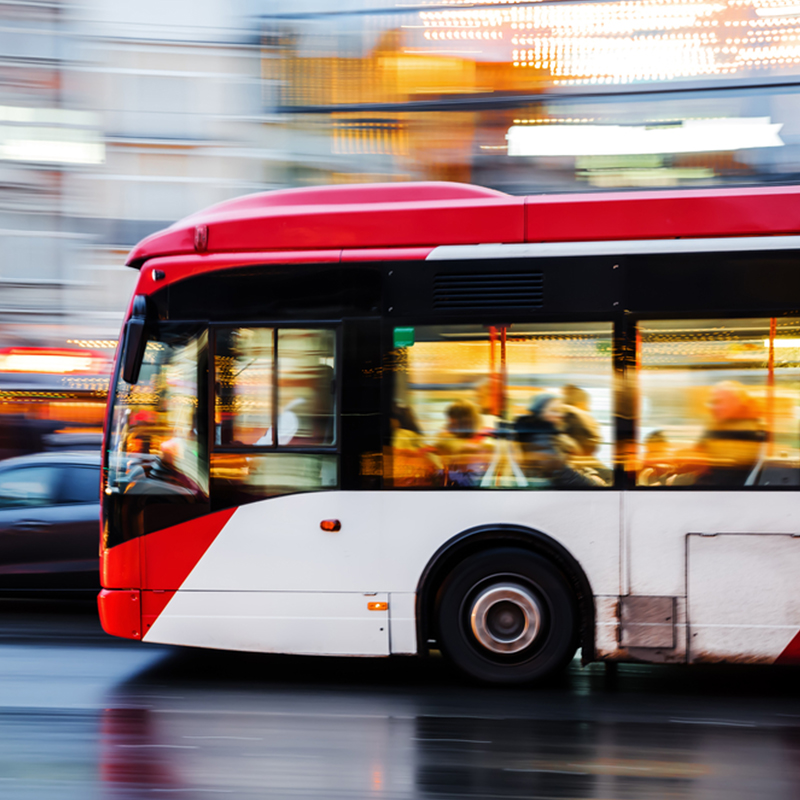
{"x":248,"y":386}
{"x":719,"y":403}
{"x":244,"y":381}
{"x":238,"y":478}
{"x":523,"y":406}
{"x":306,"y":385}
{"x":154,"y":444}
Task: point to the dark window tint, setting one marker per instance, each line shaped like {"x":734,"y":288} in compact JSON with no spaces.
{"x":80,"y":485}
{"x":27,"y":487}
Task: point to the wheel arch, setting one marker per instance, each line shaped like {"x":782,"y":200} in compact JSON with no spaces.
{"x":488,"y":537}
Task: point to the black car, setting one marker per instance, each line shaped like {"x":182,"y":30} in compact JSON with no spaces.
{"x":49,"y":522}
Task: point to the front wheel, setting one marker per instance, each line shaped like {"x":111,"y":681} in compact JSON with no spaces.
{"x":507,"y":616}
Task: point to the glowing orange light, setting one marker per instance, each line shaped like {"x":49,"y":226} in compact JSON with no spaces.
{"x":52,"y":361}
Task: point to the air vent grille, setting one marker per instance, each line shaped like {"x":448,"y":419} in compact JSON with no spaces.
{"x":495,"y":290}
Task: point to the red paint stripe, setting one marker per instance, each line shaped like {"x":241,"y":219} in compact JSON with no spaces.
{"x":171,"y":554}
{"x":791,"y":654}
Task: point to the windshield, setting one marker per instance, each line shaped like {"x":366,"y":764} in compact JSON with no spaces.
{"x":157,"y":472}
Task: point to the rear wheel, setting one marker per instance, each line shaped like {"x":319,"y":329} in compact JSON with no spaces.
{"x":507,"y":616}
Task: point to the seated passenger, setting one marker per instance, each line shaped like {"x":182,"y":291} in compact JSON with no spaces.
{"x":584,"y":430}
{"x":546,"y":450}
{"x":464,"y":451}
{"x":579,"y":424}
{"x":730,"y":448}
{"x":413,"y":463}
{"x":658,"y":463}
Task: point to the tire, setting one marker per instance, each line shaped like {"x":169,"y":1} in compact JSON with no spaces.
{"x":507,"y":616}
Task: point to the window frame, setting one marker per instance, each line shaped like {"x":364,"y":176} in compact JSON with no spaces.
{"x":276,"y":325}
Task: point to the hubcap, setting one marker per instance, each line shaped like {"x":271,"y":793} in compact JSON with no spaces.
{"x":505,"y":618}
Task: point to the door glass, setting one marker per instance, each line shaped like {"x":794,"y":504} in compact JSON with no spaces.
{"x":80,"y":485}
{"x":248,"y":386}
{"x":306,"y":387}
{"x":268,"y":379}
{"x":27,"y":487}
{"x":245,"y":386}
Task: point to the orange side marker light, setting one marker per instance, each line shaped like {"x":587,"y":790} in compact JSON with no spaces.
{"x":378,"y":606}
{"x":330,"y":525}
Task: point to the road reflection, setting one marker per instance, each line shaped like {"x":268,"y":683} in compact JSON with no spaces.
{"x":204,"y":723}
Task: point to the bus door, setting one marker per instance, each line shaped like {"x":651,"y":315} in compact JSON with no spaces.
{"x":289,"y":570}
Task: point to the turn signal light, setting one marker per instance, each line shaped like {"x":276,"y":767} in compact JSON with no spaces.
{"x":330,"y":525}
{"x":378,"y":606}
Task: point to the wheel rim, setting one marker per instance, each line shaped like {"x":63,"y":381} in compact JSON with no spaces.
{"x":505,"y":618}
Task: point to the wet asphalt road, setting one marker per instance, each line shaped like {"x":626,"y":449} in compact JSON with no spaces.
{"x":86,"y":716}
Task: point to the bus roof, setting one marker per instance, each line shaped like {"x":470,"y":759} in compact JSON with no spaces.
{"x":405,"y":215}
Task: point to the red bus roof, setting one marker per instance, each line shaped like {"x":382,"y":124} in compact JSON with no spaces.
{"x":418,"y":215}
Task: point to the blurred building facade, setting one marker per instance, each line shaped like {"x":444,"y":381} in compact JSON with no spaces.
{"x":118,"y":118}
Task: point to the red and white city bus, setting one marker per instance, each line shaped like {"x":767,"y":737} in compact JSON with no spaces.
{"x":378,"y":420}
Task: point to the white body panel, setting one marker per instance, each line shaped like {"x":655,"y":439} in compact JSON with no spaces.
{"x":324,"y":623}
{"x":744,"y":596}
{"x":657,"y":532}
{"x":403,"y":623}
{"x":387,"y":538}
{"x":657,"y":522}
{"x":275,"y":550}
{"x":274,"y":581}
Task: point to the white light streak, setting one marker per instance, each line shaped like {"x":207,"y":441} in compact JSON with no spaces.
{"x":692,"y":136}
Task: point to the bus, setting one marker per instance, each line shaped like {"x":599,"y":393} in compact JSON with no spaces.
{"x":400,"y":419}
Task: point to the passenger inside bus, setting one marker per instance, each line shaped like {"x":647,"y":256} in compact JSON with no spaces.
{"x":734,"y":442}
{"x":579,"y":424}
{"x":413,"y":463}
{"x":583,"y":429}
{"x":728,"y":452}
{"x":546,"y":450}
{"x":658,"y":462}
{"x":465,"y":451}
{"x":481,"y":379}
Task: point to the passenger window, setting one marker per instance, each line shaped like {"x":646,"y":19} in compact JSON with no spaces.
{"x":517,"y":406}
{"x":27,"y":487}
{"x":719,"y":403}
{"x":80,"y":485}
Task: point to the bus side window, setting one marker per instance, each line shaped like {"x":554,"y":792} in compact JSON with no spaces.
{"x":502,"y":407}
{"x":719,"y":403}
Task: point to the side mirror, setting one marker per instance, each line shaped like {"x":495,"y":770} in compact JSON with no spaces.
{"x":134,"y":340}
